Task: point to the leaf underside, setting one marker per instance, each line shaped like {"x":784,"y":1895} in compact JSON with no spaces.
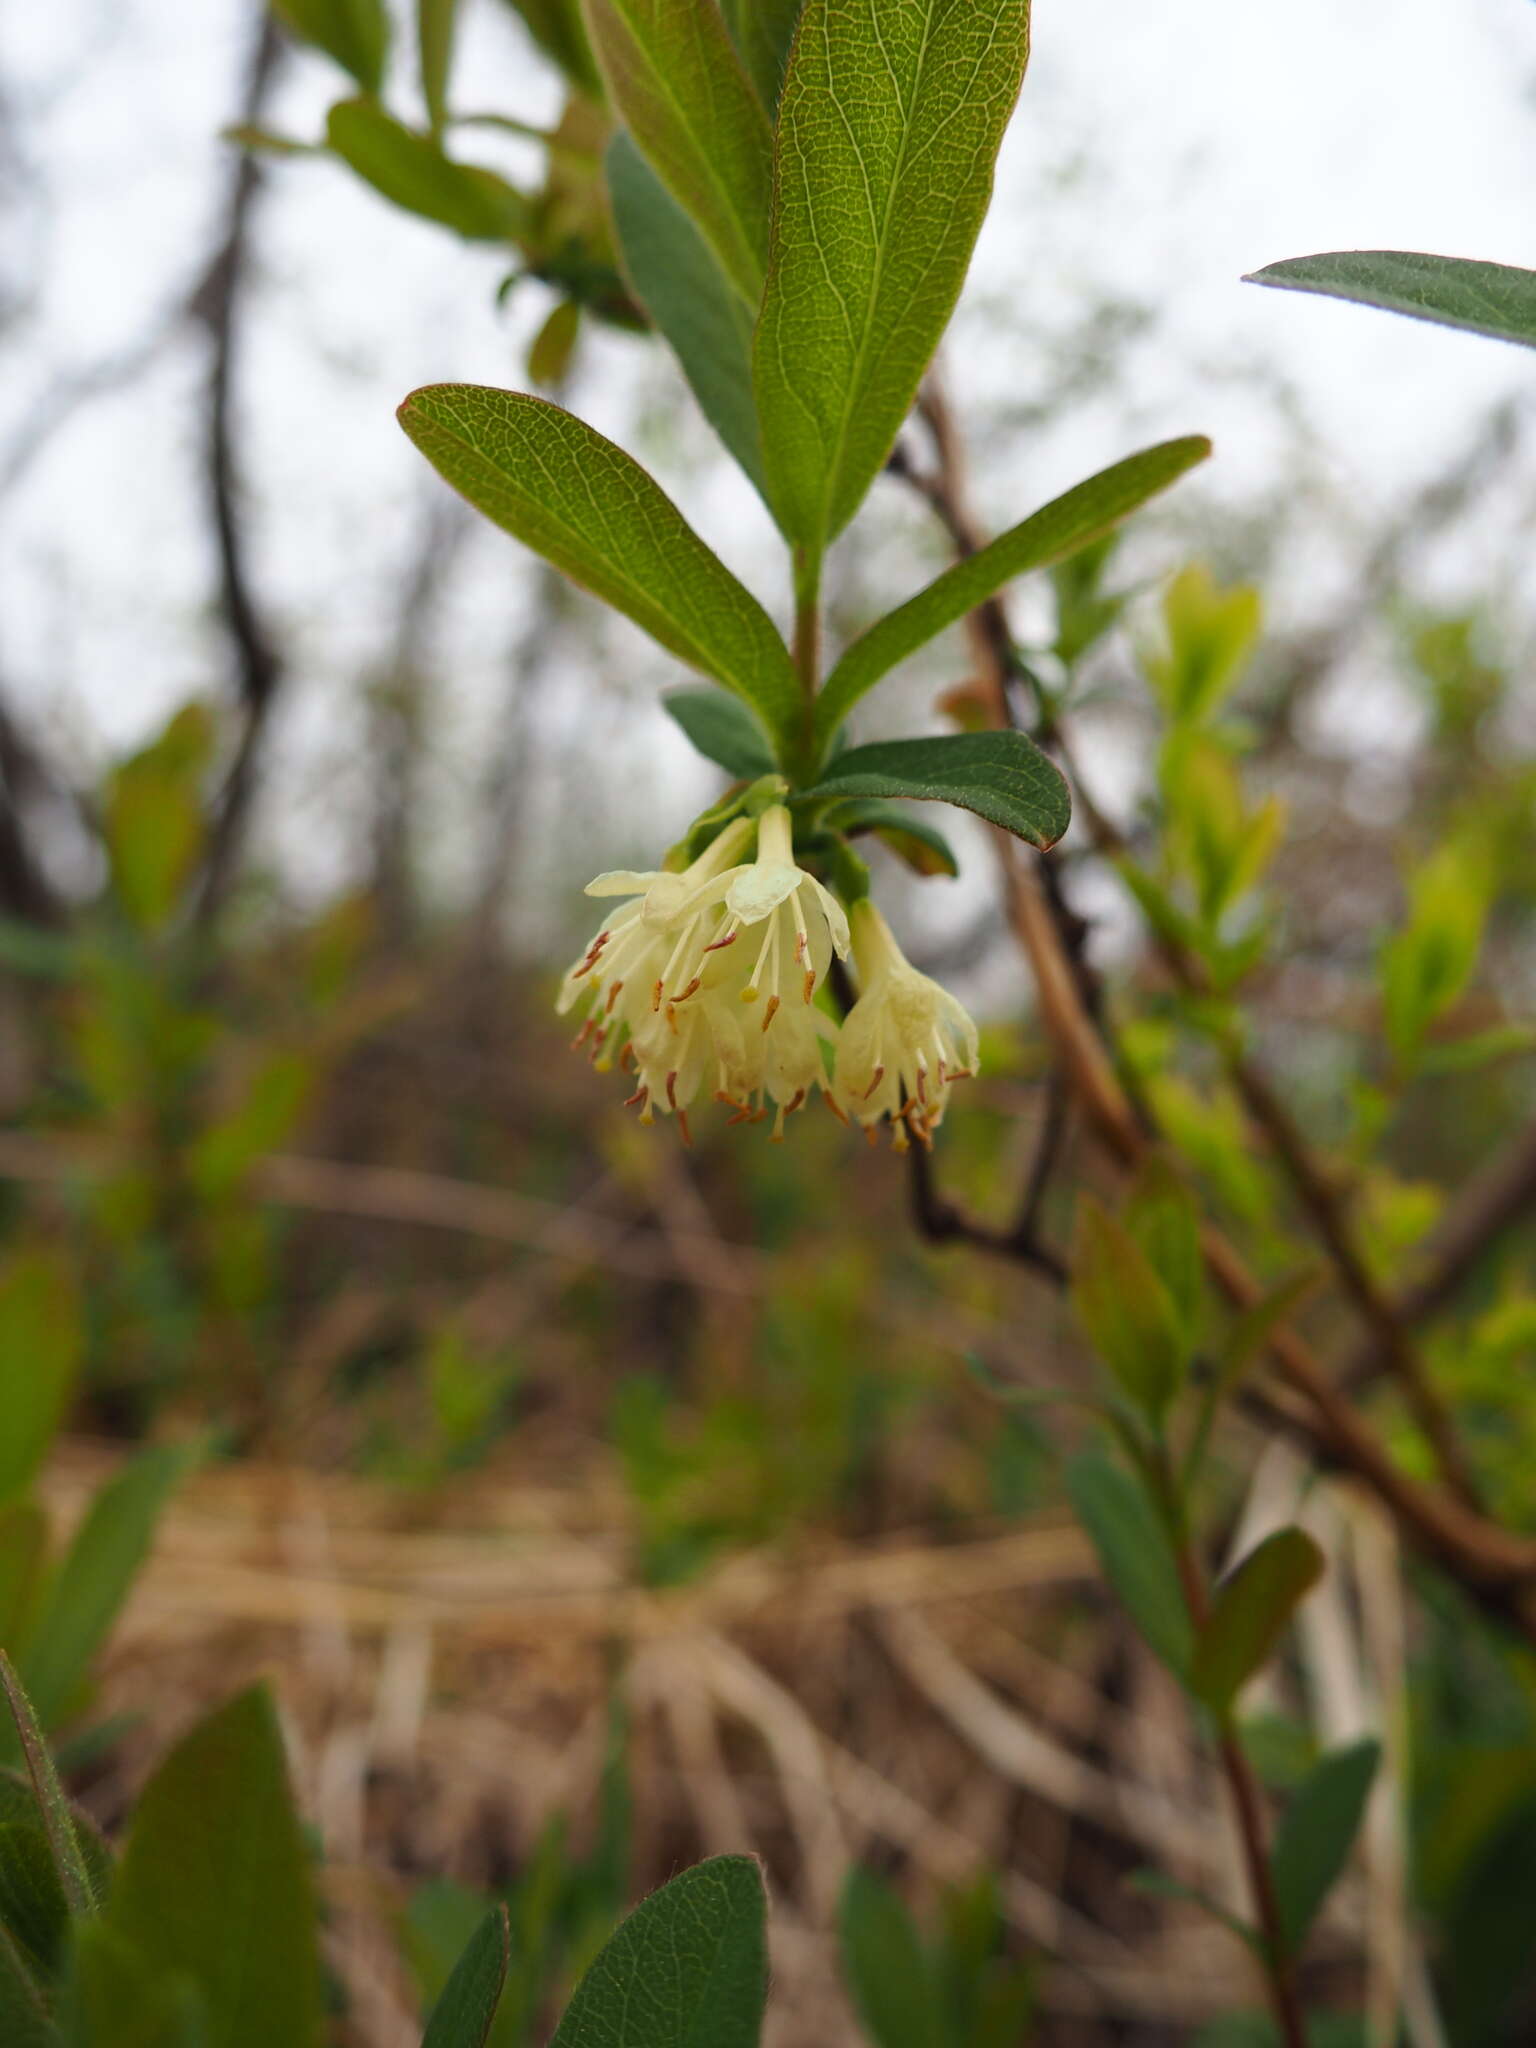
{"x":1494,"y":299}
{"x":1001,"y":776}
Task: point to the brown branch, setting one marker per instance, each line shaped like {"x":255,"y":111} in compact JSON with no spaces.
{"x":218,"y":303}
{"x":1495,"y":1565}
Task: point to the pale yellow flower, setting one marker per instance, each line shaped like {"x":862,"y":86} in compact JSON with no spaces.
{"x":904,"y":1043}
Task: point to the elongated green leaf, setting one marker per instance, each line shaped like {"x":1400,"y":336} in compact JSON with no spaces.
{"x":557,"y":27}
{"x":411,"y":171}
{"x":23,"y":2021}
{"x":1161,"y":1215}
{"x":33,"y":1908}
{"x":462,"y":2016}
{"x":910,"y":838}
{"x":354,"y":32}
{"x":53,"y":1810}
{"x":687,"y":1969}
{"x":1251,"y":1608}
{"x":39,"y":1360}
{"x":673,"y":74}
{"x":1484,"y":298}
{"x":1134,"y":1550}
{"x":723,"y":730}
{"x":23,"y":1555}
{"x":764,"y":31}
{"x":887,"y":1970}
{"x":1059,"y":529}
{"x":561,"y":489}
{"x":1314,"y":1839}
{"x":94,"y":1579}
{"x":436,"y":21}
{"x":1129,"y":1314}
{"x":675,"y":276}
{"x":214,"y":1884}
{"x":1001,"y":776}
{"x":889,"y":125}
{"x":114,"y":1999}
{"x":19,"y":1808}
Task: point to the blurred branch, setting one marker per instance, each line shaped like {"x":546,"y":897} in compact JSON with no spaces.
{"x":25,"y":891}
{"x":1496,"y":1566}
{"x":218,"y":303}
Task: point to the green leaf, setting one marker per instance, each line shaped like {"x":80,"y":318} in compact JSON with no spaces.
{"x":1251,"y":1609}
{"x":52,"y":1807}
{"x":215,"y":1883}
{"x":887,"y":1971}
{"x":557,"y":27}
{"x":1157,"y":1884}
{"x":1211,"y":633}
{"x":462,"y":2016}
{"x":114,"y":1999}
{"x":549,"y":356}
{"x":764,"y":31}
{"x":1055,"y":532}
{"x":1484,"y":298}
{"x":911,"y":839}
{"x":33,"y":1908}
{"x":410,"y":170}
{"x":354,"y":32}
{"x":99,"y":1567}
{"x":687,"y":1969}
{"x":552,"y":481}
{"x":889,"y":126}
{"x":23,"y":2021}
{"x":1163,"y":1218}
{"x":23,"y":1555}
{"x":723,"y":730}
{"x":1313,"y":1841}
{"x":1001,"y":776}
{"x":40,"y":1349}
{"x":706,"y":321}
{"x":673,"y":74}
{"x":1131,"y":1318}
{"x":1135,"y":1553}
{"x":436,"y":21}
{"x":19,"y":1807}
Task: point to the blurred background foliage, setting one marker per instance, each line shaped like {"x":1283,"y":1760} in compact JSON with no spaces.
{"x":600,"y":1504}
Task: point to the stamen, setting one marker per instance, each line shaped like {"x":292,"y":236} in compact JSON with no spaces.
{"x":656,"y":997}
{"x":627,"y":1056}
{"x":810,"y":984}
{"x":771,"y":1011}
{"x":791,"y":1107}
{"x":718,"y":945}
{"x":836,"y":1108}
{"x":641,"y":1095}
{"x":691,"y":990}
{"x":672,"y":1088}
{"x":879,"y":1077}
{"x":682,"y":1125}
{"x":613,"y":997}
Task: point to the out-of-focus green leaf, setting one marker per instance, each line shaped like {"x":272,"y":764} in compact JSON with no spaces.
{"x":560,"y":488}
{"x":1055,"y":532}
{"x":723,"y":730}
{"x":1131,"y":1318}
{"x":549,"y":358}
{"x":23,"y":1553}
{"x":1162,"y":1216}
{"x":1314,"y":1839}
{"x":463,"y":2015}
{"x":887,"y":1970}
{"x":114,"y":1998}
{"x":354,"y":32}
{"x":153,"y":818}
{"x":1135,"y":1553}
{"x":95,"y":1576}
{"x":764,"y":31}
{"x":24,"y":2022}
{"x":704,"y":318}
{"x":1001,"y":776}
{"x":889,"y":125}
{"x":1249,"y":1613}
{"x":557,"y":27}
{"x":411,"y":171}
{"x":436,"y":21}
{"x":675,"y":77}
{"x":687,"y":1969}
{"x":40,"y":1348}
{"x":1427,"y":965}
{"x":1211,"y":633}
{"x":214,"y":1884}
{"x":1485,"y":298}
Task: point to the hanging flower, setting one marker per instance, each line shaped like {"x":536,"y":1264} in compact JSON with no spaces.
{"x":905,"y":1041}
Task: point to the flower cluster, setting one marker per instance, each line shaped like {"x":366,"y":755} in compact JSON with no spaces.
{"x":709,"y":979}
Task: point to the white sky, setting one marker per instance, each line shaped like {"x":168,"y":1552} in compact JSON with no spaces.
{"x":1158,"y":153}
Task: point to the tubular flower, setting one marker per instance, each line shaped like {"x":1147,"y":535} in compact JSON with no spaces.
{"x":627,"y":982}
{"x":905,"y":1041}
